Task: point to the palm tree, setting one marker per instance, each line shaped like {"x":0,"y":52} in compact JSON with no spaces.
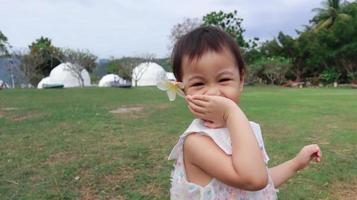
{"x":327,"y":15}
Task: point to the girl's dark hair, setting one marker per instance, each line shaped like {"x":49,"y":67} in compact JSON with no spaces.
{"x":201,"y":40}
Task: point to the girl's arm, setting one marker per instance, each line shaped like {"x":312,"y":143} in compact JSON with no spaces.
{"x":246,"y":163}
{"x":283,"y":172}
{"x":204,"y":154}
{"x":245,"y":147}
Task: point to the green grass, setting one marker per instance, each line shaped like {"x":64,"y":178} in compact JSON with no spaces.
{"x":65,"y":144}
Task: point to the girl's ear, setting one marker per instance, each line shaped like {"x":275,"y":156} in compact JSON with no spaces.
{"x":182,"y":86}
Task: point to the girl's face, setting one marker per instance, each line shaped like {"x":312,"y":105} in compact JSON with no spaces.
{"x":212,"y":74}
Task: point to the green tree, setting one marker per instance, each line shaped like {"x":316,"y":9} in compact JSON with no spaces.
{"x":306,"y":55}
{"x":325,"y":50}
{"x":229,"y":22}
{"x":271,"y":69}
{"x":41,"y":59}
{"x":28,"y":66}
{"x":3,"y":44}
{"x":48,"y":54}
{"x":327,"y":15}
{"x":301,"y":51}
{"x":341,"y":44}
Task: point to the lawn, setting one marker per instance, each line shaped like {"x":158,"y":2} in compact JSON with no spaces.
{"x":111,"y":143}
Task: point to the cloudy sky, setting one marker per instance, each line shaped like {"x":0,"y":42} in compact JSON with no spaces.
{"x":137,"y":27}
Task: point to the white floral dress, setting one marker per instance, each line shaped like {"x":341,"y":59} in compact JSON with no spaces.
{"x":215,"y":190}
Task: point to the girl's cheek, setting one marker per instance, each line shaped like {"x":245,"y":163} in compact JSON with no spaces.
{"x":199,"y":92}
{"x":192,"y":91}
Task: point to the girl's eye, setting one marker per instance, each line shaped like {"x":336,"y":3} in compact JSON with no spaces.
{"x":224,"y":80}
{"x":197,"y":84}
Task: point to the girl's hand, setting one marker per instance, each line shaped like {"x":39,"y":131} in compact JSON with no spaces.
{"x":307,"y":154}
{"x":214,"y":110}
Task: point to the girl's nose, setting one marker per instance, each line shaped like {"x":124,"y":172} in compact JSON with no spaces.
{"x":214,"y":91}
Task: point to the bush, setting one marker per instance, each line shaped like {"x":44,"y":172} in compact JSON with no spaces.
{"x":329,"y":76}
{"x":272,"y":70}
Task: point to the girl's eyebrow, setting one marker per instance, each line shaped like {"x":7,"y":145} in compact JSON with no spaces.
{"x":225,"y":73}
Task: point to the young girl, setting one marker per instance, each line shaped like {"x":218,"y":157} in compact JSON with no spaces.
{"x":221,"y":155}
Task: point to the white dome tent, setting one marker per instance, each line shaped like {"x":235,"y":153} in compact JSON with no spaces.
{"x":147,"y":74}
{"x":110,"y":80}
{"x":170,"y":76}
{"x":45,"y":80}
{"x":3,"y":84}
{"x":66,"y":74}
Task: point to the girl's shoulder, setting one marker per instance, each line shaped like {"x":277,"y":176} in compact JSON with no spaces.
{"x":220,"y":136}
{"x":198,"y":127}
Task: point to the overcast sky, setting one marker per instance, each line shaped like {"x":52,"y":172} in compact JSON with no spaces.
{"x":136,"y":27}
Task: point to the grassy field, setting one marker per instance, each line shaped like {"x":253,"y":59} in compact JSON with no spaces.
{"x":113,"y":143}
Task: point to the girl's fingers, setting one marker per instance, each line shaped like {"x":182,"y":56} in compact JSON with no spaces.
{"x":192,"y":111}
{"x":198,"y":102}
{"x":205,"y":98}
{"x":316,"y":153}
{"x":319,"y":155}
{"x":196,"y":114}
{"x":196,"y":108}
{"x":314,"y":148}
{"x":317,"y":159}
{"x":317,"y":150}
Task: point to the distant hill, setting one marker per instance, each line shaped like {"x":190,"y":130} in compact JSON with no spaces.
{"x":102,"y":65}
